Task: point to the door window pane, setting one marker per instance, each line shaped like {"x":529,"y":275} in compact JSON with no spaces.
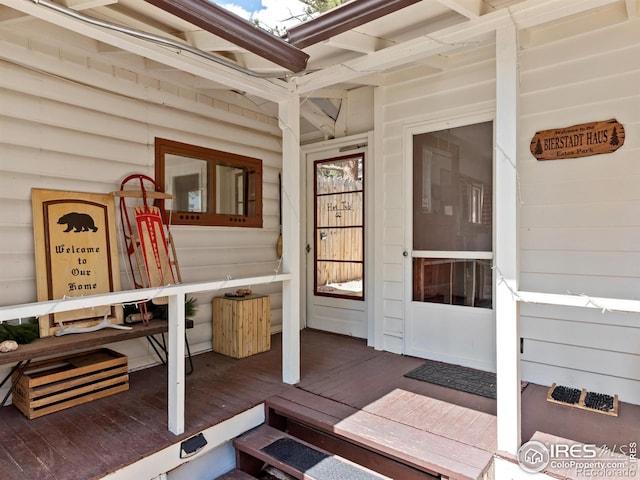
{"x":339,"y":227}
{"x":453,"y":281}
{"x":453,"y":185}
{"x":452,"y":212}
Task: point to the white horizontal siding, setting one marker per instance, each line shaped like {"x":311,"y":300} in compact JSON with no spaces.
{"x":579,"y":222}
{"x":540,"y":373}
{"x":580,"y":315}
{"x":586,"y":263}
{"x":91,"y":123}
{"x":594,"y":238}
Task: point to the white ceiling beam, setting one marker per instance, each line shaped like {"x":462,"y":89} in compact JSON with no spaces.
{"x":316,"y":117}
{"x":632,"y":8}
{"x":357,"y":42}
{"x":9,"y":15}
{"x":468,"y":8}
{"x":272,"y":89}
{"x":437,"y":62}
{"x":87,"y":4}
{"x":525,"y":15}
{"x":129,"y":20}
{"x":210,"y":43}
{"x":329,"y":93}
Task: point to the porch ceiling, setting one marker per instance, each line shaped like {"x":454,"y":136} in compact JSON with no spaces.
{"x":424,"y":34}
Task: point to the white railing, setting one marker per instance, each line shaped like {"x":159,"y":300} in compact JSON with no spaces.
{"x":176,"y":321}
{"x":580,"y":300}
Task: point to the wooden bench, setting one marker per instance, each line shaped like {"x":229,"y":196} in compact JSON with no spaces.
{"x":52,"y":346}
{"x":49,"y":346}
{"x":415,"y":448}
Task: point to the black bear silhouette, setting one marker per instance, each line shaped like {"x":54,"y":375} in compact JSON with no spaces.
{"x":78,"y":222}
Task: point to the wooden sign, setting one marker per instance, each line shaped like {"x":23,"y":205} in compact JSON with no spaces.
{"x":578,"y":141}
{"x":76,"y":254}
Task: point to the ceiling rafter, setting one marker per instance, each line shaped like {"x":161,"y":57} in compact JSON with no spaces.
{"x":126,"y":17}
{"x":358,"y":42}
{"x":231,"y":27}
{"x":8,"y":15}
{"x":525,"y":15}
{"x":272,"y":89}
{"x":467,"y":8}
{"x":342,"y":19}
{"x":320,"y":120}
{"x":87,"y":4}
{"x":203,"y":40}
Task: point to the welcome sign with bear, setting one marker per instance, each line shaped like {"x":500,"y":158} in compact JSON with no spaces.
{"x":76,"y":254}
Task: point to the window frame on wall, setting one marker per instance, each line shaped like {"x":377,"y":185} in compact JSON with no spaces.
{"x":206,"y":200}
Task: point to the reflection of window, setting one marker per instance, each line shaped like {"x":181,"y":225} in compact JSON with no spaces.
{"x":475,"y":203}
{"x":454,"y":281}
{"x":186,"y":189}
{"x":210,"y":187}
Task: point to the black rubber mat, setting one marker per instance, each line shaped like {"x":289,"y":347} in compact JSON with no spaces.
{"x":315,"y":464}
{"x":461,"y":378}
{"x":566,"y":394}
{"x":599,"y":401}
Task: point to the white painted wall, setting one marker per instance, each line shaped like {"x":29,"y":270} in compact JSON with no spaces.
{"x":579,"y":217}
{"x":579,"y":229}
{"x":72,"y":118}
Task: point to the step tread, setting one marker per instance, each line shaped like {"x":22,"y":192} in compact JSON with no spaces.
{"x":236,"y":474}
{"x":299,"y":458}
{"x":415,"y":447}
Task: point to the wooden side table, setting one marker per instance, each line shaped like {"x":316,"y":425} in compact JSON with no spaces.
{"x":241,"y":325}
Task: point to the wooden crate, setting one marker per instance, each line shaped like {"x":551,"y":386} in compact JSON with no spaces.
{"x":58,"y":383}
{"x":241,"y":325}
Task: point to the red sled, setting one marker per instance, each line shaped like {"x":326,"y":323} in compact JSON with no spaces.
{"x":148,"y":240}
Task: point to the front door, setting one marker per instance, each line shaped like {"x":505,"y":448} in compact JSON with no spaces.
{"x":450,"y":278}
{"x":336,"y":241}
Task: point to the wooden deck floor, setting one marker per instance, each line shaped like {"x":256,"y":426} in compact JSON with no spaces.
{"x":91,"y":440}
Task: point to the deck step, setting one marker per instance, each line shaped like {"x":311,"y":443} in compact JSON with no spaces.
{"x":300,"y":459}
{"x":421,"y":451}
{"x":236,"y":474}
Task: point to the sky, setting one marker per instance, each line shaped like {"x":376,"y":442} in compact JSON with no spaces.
{"x":269,"y":12}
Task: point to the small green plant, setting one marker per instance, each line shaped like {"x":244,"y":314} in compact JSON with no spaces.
{"x":162,"y":311}
{"x":190,"y":307}
{"x":21,"y":333}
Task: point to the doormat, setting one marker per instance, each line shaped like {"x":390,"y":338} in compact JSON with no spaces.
{"x":583,"y":399}
{"x":457,"y":377}
{"x":316,"y":464}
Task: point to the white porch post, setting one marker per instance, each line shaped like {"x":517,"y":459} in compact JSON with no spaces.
{"x":506,"y":248}
{"x":176,"y":363}
{"x":289,"y":115}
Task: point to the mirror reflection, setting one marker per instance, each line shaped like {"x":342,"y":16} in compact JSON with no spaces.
{"x":210,"y":187}
{"x":186,"y":180}
{"x":232,"y":190}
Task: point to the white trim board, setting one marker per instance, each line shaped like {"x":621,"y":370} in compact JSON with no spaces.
{"x":168,"y":459}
